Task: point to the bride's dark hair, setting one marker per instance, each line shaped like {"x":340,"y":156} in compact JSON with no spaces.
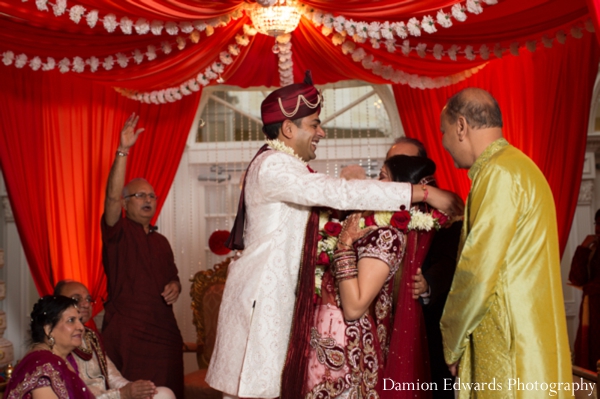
{"x":409,"y":169}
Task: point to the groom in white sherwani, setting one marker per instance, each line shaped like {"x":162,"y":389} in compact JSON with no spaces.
{"x":276,"y":229}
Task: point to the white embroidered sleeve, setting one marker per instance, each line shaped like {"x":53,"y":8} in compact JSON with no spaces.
{"x":283,"y":178}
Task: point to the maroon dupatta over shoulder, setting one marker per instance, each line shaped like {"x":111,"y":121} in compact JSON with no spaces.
{"x":408,"y":358}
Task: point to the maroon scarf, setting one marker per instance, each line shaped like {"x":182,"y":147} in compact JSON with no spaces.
{"x":408,"y":358}
{"x":295,"y":368}
{"x":236,"y":237}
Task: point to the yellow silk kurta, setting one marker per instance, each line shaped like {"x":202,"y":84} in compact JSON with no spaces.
{"x":504,"y":318}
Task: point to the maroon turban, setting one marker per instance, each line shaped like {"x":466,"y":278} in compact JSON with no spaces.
{"x":291,"y":102}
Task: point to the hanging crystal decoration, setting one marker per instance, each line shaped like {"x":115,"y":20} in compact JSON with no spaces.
{"x":280,"y":18}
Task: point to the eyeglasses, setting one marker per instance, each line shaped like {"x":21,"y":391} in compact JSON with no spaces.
{"x":143,"y":196}
{"x":81,"y":300}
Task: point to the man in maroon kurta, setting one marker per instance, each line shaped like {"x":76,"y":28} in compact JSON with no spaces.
{"x":139,"y":330}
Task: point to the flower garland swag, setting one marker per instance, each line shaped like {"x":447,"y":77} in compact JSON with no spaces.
{"x":79,"y":64}
{"x":141,"y":26}
{"x":211,"y":73}
{"x":384,"y":33}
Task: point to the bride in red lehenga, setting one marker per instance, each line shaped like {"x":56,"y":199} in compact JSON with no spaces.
{"x":368,"y":339}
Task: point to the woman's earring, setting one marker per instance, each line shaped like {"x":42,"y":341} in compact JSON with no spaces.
{"x":51,"y":342}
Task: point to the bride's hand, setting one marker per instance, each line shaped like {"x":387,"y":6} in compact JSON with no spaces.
{"x":352,"y":232}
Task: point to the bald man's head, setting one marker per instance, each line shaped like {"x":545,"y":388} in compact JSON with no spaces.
{"x":477,"y":106}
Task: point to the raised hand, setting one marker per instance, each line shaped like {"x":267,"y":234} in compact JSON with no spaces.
{"x":129,"y":134}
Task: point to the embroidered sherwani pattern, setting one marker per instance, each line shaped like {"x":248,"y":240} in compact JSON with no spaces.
{"x":258,"y":301}
{"x":504,"y":317}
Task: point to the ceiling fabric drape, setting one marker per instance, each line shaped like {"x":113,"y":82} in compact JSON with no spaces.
{"x":41,"y":33}
{"x":59,"y":139}
{"x":545,"y":101}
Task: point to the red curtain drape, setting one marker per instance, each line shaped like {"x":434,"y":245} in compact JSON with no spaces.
{"x":594,"y":7}
{"x":58,"y":137}
{"x":531,"y":90}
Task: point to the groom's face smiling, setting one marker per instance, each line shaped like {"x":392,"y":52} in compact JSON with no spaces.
{"x":306,"y":137}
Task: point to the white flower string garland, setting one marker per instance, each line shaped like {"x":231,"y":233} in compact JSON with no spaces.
{"x":386,"y":32}
{"x":284,"y":48}
{"x":279,"y":145}
{"x":211,"y":73}
{"x":368,"y":61}
{"x":413,"y":219}
{"x":142,"y":26}
{"x":78,"y":64}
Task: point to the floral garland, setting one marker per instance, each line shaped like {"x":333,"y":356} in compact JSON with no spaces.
{"x":284,"y":53}
{"x":485,"y":51}
{"x":405,"y":221}
{"x":211,"y":73}
{"x":368,"y":61}
{"x":385,"y":32}
{"x":78,"y":64}
{"x":126,"y":24}
{"x":329,"y":230}
{"x":279,"y":145}
{"x":387,"y":72}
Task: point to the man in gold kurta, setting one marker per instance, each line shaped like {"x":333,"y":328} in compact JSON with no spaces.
{"x":504,"y":325}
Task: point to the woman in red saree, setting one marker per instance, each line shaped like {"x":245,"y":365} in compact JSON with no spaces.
{"x":368,"y":338}
{"x":49,"y":371}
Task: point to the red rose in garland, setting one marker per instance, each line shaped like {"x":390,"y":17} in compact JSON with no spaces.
{"x":370,"y":220}
{"x":323,"y":259}
{"x":400,"y":220}
{"x":333,"y":229}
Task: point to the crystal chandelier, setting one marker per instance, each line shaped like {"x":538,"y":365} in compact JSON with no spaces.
{"x":278,"y":19}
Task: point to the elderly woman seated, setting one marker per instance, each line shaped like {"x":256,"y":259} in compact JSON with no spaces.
{"x":48,"y":371}
{"x":95,"y":368}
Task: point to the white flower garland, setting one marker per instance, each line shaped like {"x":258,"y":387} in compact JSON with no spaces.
{"x":284,"y":48}
{"x":385,"y":33}
{"x":278,"y":145}
{"x":368,"y":61}
{"x":126,"y":24}
{"x":418,"y":220}
{"x":400,"y":77}
{"x":485,"y":51}
{"x":211,"y":73}
{"x":78,"y":64}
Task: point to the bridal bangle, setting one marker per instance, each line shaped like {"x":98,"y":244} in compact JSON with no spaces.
{"x":344,"y":265}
